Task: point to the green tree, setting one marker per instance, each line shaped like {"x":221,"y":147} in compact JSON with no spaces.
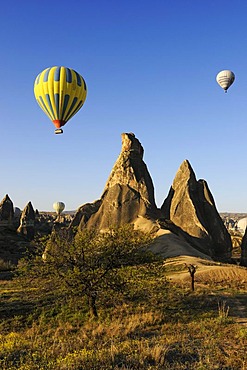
{"x":90,"y":263}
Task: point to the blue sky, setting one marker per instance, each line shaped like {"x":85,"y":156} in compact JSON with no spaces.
{"x":150,"y":68}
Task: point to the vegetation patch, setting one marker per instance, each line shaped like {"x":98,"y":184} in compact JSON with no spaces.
{"x":146,"y":322}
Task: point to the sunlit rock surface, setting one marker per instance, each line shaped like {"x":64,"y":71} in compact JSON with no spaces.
{"x":191,"y":207}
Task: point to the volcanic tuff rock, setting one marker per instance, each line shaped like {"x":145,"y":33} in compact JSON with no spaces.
{"x":189,"y":212}
{"x":18,"y":228}
{"x":6,"y":212}
{"x":84,"y":213}
{"x":129,"y":191}
{"x":191,"y":207}
{"x":243,"y":259}
{"x":27,"y":222}
{"x":12,"y":245}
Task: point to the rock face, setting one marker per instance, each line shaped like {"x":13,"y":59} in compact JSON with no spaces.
{"x":189,"y":211}
{"x":84,"y":213}
{"x":243,"y":259}
{"x":187,"y":223}
{"x":6,"y":212}
{"x":27,"y":222}
{"x":191,"y":207}
{"x":128,"y":193}
{"x":12,"y":244}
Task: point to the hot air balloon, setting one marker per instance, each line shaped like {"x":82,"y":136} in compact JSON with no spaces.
{"x":59,"y":207}
{"x":60,"y":92}
{"x":225,"y":79}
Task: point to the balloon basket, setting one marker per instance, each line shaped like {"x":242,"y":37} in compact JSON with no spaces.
{"x":58,"y":131}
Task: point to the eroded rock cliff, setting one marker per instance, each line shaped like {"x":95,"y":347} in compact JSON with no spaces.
{"x":128,"y":193}
{"x":27,"y":222}
{"x":6,"y":212}
{"x":189,"y":211}
{"x":191,"y":207}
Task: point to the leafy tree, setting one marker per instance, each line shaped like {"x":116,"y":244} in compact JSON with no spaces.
{"x":90,"y":263}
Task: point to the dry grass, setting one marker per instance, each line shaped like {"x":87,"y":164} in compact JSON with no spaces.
{"x":125,"y":345}
{"x":156,"y":326}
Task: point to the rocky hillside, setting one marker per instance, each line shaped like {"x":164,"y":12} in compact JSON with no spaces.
{"x":189,"y":212}
{"x":188,"y":222}
{"x":19,"y":228}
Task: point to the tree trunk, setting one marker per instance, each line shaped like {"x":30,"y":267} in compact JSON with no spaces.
{"x":192,"y":282}
{"x":92,"y":305}
{"x":192,"y":271}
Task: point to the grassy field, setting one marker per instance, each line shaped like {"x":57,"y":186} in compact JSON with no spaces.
{"x":157,"y":323}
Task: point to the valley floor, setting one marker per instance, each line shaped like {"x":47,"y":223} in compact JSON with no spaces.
{"x":158,"y":324}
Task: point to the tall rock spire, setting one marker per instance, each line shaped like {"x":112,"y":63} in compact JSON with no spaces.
{"x":131,"y":171}
{"x":27,"y":221}
{"x":128,"y":193}
{"x":191,"y":207}
{"x":6,"y":212}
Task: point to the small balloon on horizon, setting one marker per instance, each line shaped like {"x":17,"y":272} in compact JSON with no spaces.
{"x":58,"y":207}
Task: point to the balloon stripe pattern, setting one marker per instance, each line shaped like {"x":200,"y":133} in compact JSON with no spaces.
{"x":60,"y":92}
{"x":225,"y":79}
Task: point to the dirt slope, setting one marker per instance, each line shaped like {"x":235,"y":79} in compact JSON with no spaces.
{"x":217,"y":276}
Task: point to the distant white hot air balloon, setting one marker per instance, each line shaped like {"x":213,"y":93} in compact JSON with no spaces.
{"x":225,"y":79}
{"x":59,"y":207}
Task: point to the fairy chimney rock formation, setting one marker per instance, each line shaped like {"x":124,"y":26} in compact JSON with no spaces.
{"x":129,"y":191}
{"x":27,"y":222}
{"x":6,"y":212}
{"x":191,"y":207}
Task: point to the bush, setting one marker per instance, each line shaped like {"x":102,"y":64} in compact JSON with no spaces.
{"x":89,"y":263}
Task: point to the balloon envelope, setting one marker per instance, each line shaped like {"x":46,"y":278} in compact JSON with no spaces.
{"x":60,"y":92}
{"x":59,"y":207}
{"x":225,"y":79}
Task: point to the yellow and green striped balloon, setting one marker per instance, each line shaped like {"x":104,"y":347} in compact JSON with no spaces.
{"x":60,"y":92}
